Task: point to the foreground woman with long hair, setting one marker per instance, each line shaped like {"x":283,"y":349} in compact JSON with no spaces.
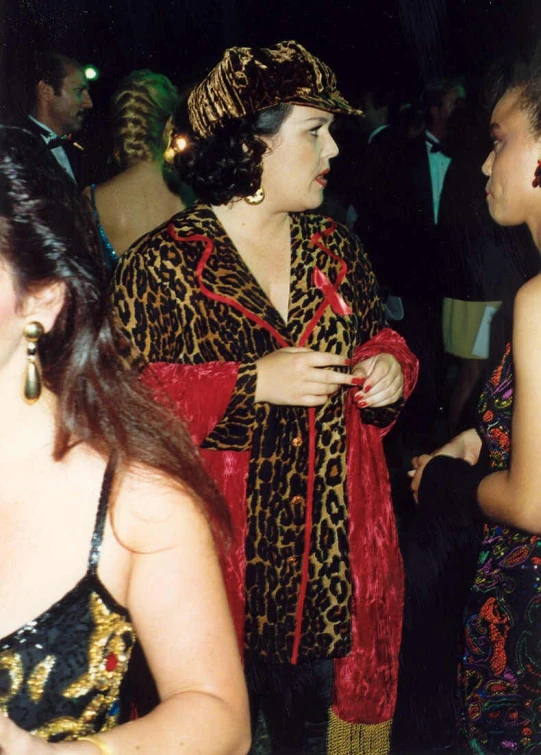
{"x":105,"y":510}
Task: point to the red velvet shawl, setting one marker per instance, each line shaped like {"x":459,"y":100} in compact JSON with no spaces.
{"x":366,"y":680}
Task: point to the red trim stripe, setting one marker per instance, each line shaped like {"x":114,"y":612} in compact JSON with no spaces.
{"x":315,"y":239}
{"x":209,"y":248}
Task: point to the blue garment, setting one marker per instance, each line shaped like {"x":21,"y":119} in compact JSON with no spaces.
{"x":110,"y":257}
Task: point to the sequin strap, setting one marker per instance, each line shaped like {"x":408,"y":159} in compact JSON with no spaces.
{"x":101,"y":517}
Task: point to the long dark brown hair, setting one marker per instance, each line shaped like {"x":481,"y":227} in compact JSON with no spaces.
{"x":46,"y":236}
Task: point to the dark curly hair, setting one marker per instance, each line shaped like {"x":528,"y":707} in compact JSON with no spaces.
{"x":522,"y":73}
{"x":228,"y":164}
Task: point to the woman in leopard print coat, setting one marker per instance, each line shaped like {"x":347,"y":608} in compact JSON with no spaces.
{"x":261,"y":320}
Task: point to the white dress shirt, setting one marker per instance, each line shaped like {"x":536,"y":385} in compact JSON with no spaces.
{"x":439,"y":164}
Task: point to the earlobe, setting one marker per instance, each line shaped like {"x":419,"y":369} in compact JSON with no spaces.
{"x":537,"y":176}
{"x":45,"y":304}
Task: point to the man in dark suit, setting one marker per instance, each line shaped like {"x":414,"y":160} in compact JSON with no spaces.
{"x":360,"y":139}
{"x":398,"y":219}
{"x":420,"y":179}
{"x":57,"y":102}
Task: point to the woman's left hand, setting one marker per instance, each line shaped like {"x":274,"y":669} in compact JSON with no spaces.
{"x":383,"y":381}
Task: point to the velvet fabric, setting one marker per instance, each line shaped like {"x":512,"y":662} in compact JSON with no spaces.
{"x":249,"y":79}
{"x":366,"y":680}
{"x":199,"y":395}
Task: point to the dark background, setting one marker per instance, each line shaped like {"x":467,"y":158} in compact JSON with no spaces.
{"x":406,"y":42}
{"x":359,"y":39}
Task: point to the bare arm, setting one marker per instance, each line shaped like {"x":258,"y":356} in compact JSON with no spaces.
{"x":178,"y":604}
{"x":514,"y":496}
{"x":466,"y":446}
{"x":177,"y":601}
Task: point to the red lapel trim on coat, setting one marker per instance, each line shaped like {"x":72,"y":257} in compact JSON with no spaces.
{"x":209,"y":248}
{"x":316,"y":239}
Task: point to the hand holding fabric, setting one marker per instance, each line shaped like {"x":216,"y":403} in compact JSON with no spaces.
{"x":383,"y":381}
{"x":299,"y":377}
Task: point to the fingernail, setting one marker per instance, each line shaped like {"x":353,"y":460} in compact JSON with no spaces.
{"x":357,"y":381}
{"x":367,"y":388}
{"x":347,"y":361}
{"x":362,"y":404}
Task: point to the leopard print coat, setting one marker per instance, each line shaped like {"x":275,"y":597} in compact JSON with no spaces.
{"x":183,"y":294}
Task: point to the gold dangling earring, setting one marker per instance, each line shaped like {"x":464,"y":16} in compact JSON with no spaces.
{"x":256,"y":198}
{"x":32,"y":379}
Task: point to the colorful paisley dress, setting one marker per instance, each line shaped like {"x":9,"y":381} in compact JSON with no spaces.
{"x":501,"y":670}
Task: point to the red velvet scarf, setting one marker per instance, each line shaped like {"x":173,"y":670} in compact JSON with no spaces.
{"x":366,"y":680}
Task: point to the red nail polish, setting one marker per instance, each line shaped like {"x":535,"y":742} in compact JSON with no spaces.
{"x":361,"y":404}
{"x":367,"y":388}
{"x":357,"y":381}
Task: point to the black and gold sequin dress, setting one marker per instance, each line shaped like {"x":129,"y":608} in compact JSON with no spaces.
{"x":60,"y":673}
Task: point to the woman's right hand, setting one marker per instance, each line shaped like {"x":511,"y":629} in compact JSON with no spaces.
{"x":300,"y":377}
{"x":465,"y":446}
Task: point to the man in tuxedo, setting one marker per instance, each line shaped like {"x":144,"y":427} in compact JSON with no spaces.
{"x":354,"y":178}
{"x":58,"y":100}
{"x":398,"y":217}
{"x":419,"y":180}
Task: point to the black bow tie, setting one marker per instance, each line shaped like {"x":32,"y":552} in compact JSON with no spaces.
{"x":57,"y":142}
{"x":68,"y":145}
{"x":435,"y":146}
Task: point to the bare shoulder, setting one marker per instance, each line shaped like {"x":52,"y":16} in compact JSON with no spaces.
{"x":154,"y":512}
{"x":527,"y":310}
{"x":529,"y":293}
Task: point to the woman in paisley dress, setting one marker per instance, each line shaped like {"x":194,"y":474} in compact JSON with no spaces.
{"x":494,"y":470}
{"x":105,"y":510}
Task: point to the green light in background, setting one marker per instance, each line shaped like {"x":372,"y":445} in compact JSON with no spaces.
{"x":91,"y":73}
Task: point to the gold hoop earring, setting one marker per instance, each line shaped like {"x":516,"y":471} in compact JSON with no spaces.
{"x":256,"y":198}
{"x":32,"y":379}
